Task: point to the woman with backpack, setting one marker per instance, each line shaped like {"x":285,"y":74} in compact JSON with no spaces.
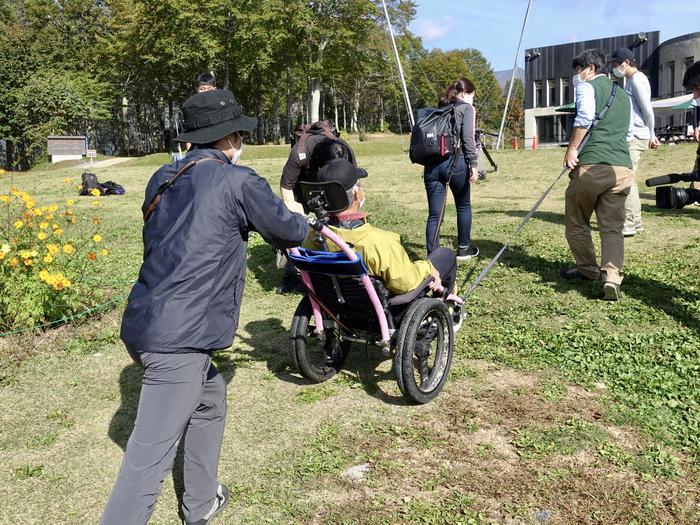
{"x":458,"y":171}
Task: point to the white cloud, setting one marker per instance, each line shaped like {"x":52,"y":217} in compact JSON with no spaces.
{"x":430,"y":30}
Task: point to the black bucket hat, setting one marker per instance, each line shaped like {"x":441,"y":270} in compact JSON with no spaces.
{"x":212,"y":115}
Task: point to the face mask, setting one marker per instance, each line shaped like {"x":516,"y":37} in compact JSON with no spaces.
{"x":617,"y":72}
{"x":236,"y":152}
{"x":576,"y":79}
{"x":695,"y":102}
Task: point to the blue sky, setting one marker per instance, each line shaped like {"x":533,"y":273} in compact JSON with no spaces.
{"x":494,"y":26}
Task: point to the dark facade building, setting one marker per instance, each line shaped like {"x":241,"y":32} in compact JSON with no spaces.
{"x":548,"y":84}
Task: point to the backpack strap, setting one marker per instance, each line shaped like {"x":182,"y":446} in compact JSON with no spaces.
{"x":326,"y":131}
{"x":153,"y":204}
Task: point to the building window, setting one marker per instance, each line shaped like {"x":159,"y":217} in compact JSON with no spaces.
{"x":539,"y":94}
{"x":551,"y":92}
{"x":671,"y":78}
{"x":689,"y":61}
{"x":565,"y":91}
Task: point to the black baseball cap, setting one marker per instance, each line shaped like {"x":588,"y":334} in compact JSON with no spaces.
{"x":622,"y":54}
{"x":341,"y":170}
{"x":212,"y":115}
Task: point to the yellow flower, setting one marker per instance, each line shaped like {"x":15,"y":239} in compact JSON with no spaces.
{"x":43,"y":275}
{"x":66,"y":181}
{"x":5,"y":248}
{"x":14,"y":262}
{"x":18,"y":225}
{"x":43,"y":225}
{"x":54,"y":226}
{"x":2,"y":172}
{"x":95,"y":192}
{"x":4,"y":198}
{"x":97,"y":237}
{"x":52,"y":248}
{"x":96,"y":203}
{"x":104,"y":252}
{"x":41,"y":236}
{"x":68,"y":248}
{"x":27,"y":262}
{"x":2,"y":256}
{"x":70,"y":202}
{"x":52,"y":208}
{"x":58,"y":232}
{"x":48,"y":259}
{"x":38,"y":212}
{"x":25,"y":254}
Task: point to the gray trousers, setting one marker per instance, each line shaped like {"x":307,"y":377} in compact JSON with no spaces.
{"x":181,"y":394}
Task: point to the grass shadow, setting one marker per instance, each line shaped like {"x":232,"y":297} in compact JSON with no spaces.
{"x":261,"y":263}
{"x":652,"y":292}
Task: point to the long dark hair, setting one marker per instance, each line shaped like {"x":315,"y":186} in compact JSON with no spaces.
{"x":461,"y":85}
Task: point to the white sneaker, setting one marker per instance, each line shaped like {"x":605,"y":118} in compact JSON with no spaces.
{"x":629,"y":231}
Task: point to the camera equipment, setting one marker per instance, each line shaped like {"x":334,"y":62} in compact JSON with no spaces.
{"x":669,"y":197}
{"x":483,"y":151}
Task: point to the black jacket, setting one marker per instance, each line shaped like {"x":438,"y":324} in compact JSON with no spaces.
{"x":188,"y":294}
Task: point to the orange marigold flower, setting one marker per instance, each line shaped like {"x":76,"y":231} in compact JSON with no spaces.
{"x":92,"y":256}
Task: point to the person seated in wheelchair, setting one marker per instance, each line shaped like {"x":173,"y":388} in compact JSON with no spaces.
{"x":381,"y":250}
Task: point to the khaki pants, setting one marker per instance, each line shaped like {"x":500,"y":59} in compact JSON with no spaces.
{"x":633,"y":206}
{"x":603,"y":189}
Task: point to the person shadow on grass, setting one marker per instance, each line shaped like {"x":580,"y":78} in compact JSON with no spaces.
{"x":123,"y":420}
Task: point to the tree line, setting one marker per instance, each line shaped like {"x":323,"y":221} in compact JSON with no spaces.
{"x":117,"y":70}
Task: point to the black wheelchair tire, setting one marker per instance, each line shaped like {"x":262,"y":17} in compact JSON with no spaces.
{"x":312,"y":369}
{"x":404,"y":366}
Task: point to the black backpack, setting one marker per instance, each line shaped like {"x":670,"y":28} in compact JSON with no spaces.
{"x":111,"y":188}
{"x":433,"y":137}
{"x":90,"y":182}
{"x":322,"y":127}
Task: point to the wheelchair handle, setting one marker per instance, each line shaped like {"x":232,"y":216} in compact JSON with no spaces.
{"x":315,"y":224}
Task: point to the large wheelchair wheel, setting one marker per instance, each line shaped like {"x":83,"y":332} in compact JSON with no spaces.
{"x":317,"y":359}
{"x":424,"y":350}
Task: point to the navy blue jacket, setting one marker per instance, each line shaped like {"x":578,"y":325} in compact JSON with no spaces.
{"x":188,"y":294}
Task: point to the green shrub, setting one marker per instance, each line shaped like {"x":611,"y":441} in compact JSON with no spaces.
{"x":46,"y":254}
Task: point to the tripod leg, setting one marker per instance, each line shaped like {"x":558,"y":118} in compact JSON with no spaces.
{"x":488,"y":156}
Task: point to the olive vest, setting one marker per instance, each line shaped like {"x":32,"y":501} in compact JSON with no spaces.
{"x":608,"y":140}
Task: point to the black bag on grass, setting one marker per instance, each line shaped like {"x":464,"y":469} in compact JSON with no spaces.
{"x":90,"y":182}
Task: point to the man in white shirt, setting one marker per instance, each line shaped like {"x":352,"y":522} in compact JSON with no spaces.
{"x":641,"y":133}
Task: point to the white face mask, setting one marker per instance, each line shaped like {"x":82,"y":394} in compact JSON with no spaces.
{"x":695,"y":102}
{"x":617,"y":72}
{"x":576,"y":79}
{"x":236,"y":152}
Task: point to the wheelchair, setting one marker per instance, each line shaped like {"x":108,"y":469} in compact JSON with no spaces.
{"x":343,"y":304}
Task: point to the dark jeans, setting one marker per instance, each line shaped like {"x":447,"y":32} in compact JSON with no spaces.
{"x":445,"y":262}
{"x":435,"y":178}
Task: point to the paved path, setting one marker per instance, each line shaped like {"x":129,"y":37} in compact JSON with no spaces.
{"x":105,"y":163}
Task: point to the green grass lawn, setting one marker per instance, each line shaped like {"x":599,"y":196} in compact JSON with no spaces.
{"x":560,"y":407}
